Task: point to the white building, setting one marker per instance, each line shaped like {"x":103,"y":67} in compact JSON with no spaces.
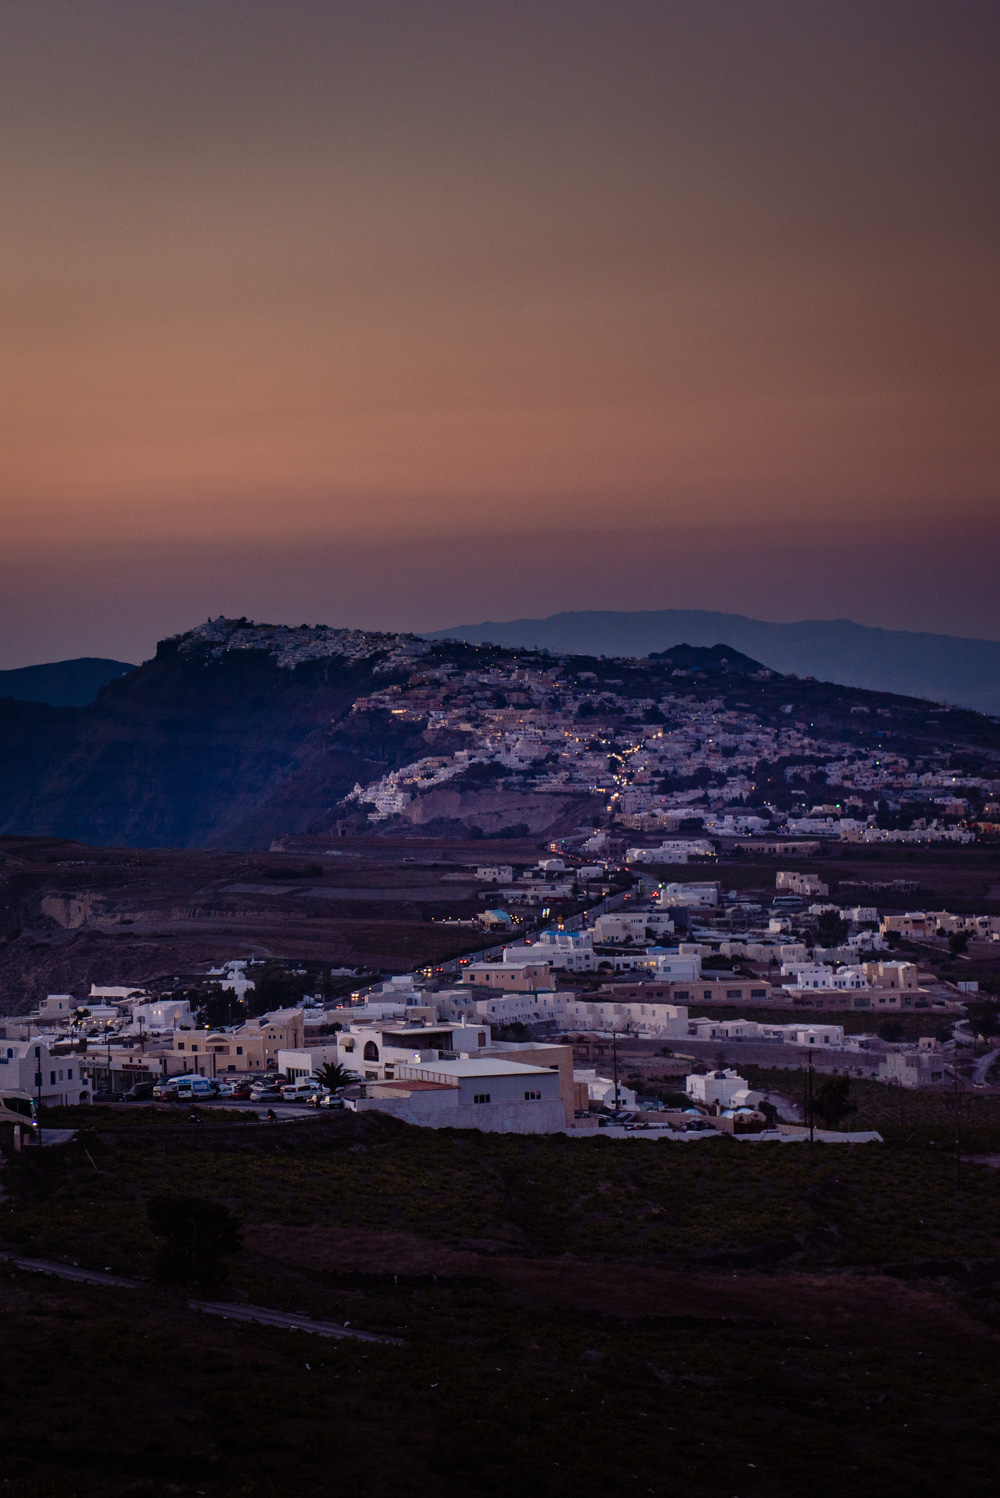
{"x":818,"y":976}
{"x":298,"y":1064}
{"x":696,"y":896}
{"x":29,"y":1066}
{"x":748,"y":1029}
{"x":652,"y":1018}
{"x":506,"y":1097}
{"x":522,"y":1008}
{"x":374,"y":1052}
{"x":571,"y":951}
{"x":677,"y":850}
{"x":619,"y":926}
{"x":601,"y":1090}
{"x":725,"y":1088}
{"x":162,"y":1014}
{"x":913,"y":1069}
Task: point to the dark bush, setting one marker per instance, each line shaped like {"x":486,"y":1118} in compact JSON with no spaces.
{"x":198,"y":1236}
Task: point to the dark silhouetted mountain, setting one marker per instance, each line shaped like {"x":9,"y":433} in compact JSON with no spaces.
{"x":205,"y":745}
{"x":62,"y":683}
{"x":708,"y":658}
{"x":943,"y":668}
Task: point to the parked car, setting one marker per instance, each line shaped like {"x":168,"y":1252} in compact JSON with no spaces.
{"x":267,"y":1095}
{"x":139,"y":1092}
{"x":241,"y":1092}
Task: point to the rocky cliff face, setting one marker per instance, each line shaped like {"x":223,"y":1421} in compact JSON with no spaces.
{"x":229,"y":737}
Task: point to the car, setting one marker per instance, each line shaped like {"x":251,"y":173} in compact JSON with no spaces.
{"x":267,"y":1095}
{"x":331,"y":1101}
{"x":224,"y":1089}
{"x":241,"y":1092}
{"x":139,"y":1092}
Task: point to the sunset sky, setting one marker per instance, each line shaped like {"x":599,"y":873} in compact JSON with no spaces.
{"x":407,"y":313}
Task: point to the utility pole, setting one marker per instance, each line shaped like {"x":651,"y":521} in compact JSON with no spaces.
{"x":958,"y":1129}
{"x":38,"y":1092}
{"x":614,"y":1062}
{"x":809,"y":1101}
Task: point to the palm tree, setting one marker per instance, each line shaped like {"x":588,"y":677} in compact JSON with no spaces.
{"x":334,"y":1074}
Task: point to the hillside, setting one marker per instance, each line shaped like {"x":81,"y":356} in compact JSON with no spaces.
{"x":236,"y":734}
{"x":62,"y":683}
{"x":943,"y":668}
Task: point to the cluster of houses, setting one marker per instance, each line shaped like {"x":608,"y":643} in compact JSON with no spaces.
{"x":656,"y":964}
{"x":672,"y":762}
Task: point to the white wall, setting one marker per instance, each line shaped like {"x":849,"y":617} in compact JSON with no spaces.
{"x":441,"y":1110}
{"x":22,"y":1060}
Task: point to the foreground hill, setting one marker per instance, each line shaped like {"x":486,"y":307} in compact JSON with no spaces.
{"x":236,"y":734}
{"x":704,"y":1320}
{"x":944,"y":668}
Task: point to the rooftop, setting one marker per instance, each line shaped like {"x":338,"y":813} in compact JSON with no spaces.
{"x":487,"y":1067}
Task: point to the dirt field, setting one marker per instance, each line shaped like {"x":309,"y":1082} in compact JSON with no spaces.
{"x":72,"y":915}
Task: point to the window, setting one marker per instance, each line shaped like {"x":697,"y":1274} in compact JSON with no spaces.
{"x":532,"y":1097}
{"x":69,"y":1074}
{"x":734,"y":993}
{"x":682,"y":994}
{"x":239,"y":1052}
{"x":481,"y":1097}
{"x":758,"y":993}
{"x":38,"y":1079}
{"x":52,"y":1079}
{"x":371,"y":1051}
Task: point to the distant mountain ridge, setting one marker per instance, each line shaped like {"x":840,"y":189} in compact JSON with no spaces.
{"x":943,"y":668}
{"x":62,"y":683}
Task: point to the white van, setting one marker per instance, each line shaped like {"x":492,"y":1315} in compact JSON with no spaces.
{"x":299,"y":1091}
{"x":187,"y":1089}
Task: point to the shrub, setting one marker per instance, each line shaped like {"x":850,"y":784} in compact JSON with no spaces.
{"x":198,"y":1236}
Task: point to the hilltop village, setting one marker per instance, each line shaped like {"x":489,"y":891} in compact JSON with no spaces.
{"x":664,"y":742}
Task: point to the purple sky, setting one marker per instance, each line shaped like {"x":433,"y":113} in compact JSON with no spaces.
{"x":405,"y":315}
